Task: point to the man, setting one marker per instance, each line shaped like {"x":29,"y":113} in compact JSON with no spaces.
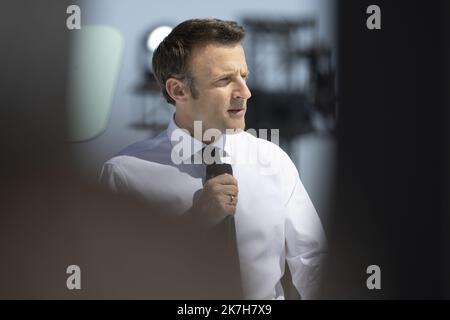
{"x":202,"y":71}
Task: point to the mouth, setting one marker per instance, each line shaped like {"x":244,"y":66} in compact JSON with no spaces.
{"x":236,"y":112}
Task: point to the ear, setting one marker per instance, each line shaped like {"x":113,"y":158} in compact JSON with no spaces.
{"x":176,"y":90}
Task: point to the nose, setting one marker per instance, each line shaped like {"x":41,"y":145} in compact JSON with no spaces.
{"x":242,"y":91}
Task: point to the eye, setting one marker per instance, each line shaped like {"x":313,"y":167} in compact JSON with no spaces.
{"x":223,"y":81}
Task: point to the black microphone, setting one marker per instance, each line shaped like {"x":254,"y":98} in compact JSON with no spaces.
{"x":216,"y":169}
{"x":213,"y":170}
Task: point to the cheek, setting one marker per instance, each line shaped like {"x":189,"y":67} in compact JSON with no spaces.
{"x":220,"y":98}
{"x":213,"y":103}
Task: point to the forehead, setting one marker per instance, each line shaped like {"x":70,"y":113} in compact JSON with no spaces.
{"x":215,"y":59}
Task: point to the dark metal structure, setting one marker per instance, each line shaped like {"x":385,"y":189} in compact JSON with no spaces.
{"x":278,"y":56}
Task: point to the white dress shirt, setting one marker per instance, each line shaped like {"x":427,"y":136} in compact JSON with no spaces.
{"x":275,"y":218}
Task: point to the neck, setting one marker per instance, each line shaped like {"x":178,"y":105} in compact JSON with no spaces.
{"x":189,"y":126}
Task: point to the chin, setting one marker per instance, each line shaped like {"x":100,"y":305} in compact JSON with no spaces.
{"x":234,"y":125}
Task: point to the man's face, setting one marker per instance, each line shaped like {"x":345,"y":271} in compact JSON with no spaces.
{"x":219,"y":73}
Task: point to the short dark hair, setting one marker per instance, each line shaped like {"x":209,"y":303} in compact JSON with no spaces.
{"x":171,"y":58}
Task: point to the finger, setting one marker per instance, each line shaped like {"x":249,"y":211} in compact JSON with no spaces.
{"x":230,"y":207}
{"x":227,"y":190}
{"x":226,"y":179}
{"x":229,"y":201}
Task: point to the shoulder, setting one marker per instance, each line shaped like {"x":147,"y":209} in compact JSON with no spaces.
{"x":137,"y":155}
{"x":118,"y":166}
{"x":142,"y":155}
{"x":273,"y":161}
{"x":153,"y":150}
{"x":120,"y":161}
{"x":137,"y":149}
{"x":267,"y":151}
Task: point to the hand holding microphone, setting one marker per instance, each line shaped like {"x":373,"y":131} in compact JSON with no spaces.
{"x":219,"y":196}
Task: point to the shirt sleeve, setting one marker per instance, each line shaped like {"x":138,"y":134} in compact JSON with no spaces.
{"x":113,"y":178}
{"x":305,"y":242}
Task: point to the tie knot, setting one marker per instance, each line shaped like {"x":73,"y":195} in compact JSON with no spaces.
{"x":211,"y":155}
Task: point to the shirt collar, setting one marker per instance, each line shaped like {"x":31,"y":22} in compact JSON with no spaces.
{"x":223,"y":143}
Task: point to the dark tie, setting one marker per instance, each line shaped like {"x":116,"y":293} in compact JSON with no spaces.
{"x":226,"y":229}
